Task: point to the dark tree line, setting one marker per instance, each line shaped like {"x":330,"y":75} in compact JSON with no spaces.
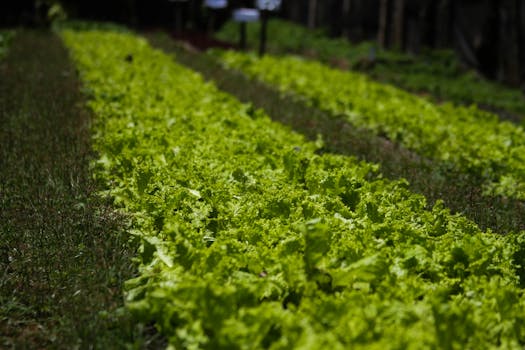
{"x":488,"y":34}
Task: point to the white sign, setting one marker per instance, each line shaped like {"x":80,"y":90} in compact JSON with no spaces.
{"x":269,"y":5}
{"x":246,"y":15}
{"x":216,"y":4}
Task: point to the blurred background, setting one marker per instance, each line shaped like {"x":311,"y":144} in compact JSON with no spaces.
{"x":487,"y":35}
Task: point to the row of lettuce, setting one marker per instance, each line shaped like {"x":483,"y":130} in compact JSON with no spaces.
{"x":252,"y":240}
{"x":6,"y":37}
{"x":465,"y":138}
{"x":436,"y":72}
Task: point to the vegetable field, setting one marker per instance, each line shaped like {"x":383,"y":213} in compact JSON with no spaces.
{"x":467,"y":138}
{"x":241,"y":232}
{"x":438,"y":73}
{"x":252,"y":240}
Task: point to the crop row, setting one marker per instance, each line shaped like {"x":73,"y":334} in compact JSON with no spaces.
{"x":252,"y":240}
{"x":436,"y":72}
{"x":468,"y":139}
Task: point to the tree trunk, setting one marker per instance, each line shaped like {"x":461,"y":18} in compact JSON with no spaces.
{"x":509,"y":71}
{"x":347,"y":7}
{"x":444,"y":24}
{"x":398,"y":24}
{"x":292,"y":10}
{"x":417,"y":24}
{"x":521,"y":42}
{"x":413,"y":37}
{"x":382,"y":35}
{"x":312,"y":13}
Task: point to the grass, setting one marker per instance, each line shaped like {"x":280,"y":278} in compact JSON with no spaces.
{"x":461,"y":192}
{"x":64,"y":251}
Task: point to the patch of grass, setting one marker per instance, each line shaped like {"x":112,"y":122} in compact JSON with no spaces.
{"x":461,"y":192}
{"x":64,"y":251}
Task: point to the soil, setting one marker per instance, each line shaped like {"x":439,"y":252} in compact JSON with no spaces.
{"x":201,"y":41}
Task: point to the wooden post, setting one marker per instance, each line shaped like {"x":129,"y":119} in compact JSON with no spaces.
{"x":264,"y":26}
{"x":242,"y":41}
{"x":211,"y":21}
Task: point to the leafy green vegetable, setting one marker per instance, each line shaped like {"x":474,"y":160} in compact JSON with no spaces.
{"x":433,"y":71}
{"x":466,"y":137}
{"x":252,"y":240}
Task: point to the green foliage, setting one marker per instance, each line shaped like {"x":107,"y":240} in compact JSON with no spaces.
{"x":466,"y":137}
{"x":56,"y":12}
{"x":6,"y":36}
{"x":252,"y":240}
{"x":63,"y":24}
{"x":437,"y":72}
